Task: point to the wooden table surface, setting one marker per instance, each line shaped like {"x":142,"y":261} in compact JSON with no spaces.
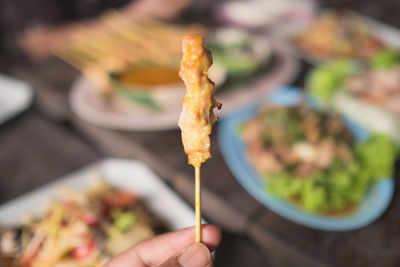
{"x":48,"y":141}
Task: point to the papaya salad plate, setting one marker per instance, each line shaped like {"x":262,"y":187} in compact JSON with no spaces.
{"x":89,"y":216}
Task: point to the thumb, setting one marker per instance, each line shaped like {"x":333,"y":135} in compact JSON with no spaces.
{"x":195,"y":255}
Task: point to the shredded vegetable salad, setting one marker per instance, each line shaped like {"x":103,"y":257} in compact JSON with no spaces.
{"x":85,"y":228}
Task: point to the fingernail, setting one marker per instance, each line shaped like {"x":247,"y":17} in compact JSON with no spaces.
{"x":196,"y":255}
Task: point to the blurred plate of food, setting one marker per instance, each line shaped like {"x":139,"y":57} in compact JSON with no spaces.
{"x":15,"y":96}
{"x":315,"y":168}
{"x":240,"y":53}
{"x":336,"y":34}
{"x":287,"y":16}
{"x":89,"y":216}
{"x":367,"y":92}
{"x":146,"y":93}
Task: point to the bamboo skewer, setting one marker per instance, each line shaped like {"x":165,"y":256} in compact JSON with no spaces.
{"x":198,"y":203}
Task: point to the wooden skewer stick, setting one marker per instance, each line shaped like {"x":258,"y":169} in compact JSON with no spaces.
{"x":198,"y":203}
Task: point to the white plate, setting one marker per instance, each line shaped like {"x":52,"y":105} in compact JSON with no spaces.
{"x":384,"y":32}
{"x":15,"y":96}
{"x":127,"y":174}
{"x":371,"y":116}
{"x":90,"y":105}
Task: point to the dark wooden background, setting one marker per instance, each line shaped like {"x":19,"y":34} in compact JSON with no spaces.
{"x":48,"y":141}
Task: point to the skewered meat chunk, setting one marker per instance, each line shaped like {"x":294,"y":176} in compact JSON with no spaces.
{"x":197,"y":115}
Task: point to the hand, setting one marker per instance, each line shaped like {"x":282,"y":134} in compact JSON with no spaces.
{"x":172,"y":250}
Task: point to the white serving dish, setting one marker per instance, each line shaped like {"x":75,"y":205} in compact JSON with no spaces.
{"x":127,"y":174}
{"x":370,"y":116}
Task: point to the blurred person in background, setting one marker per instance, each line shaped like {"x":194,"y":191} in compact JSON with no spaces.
{"x":38,"y":26}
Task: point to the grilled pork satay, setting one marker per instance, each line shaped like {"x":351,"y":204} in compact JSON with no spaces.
{"x":197,"y":115}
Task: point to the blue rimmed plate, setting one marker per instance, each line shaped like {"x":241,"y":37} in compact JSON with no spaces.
{"x":233,"y":149}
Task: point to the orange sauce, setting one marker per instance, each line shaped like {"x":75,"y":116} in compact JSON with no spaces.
{"x":151,"y":76}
